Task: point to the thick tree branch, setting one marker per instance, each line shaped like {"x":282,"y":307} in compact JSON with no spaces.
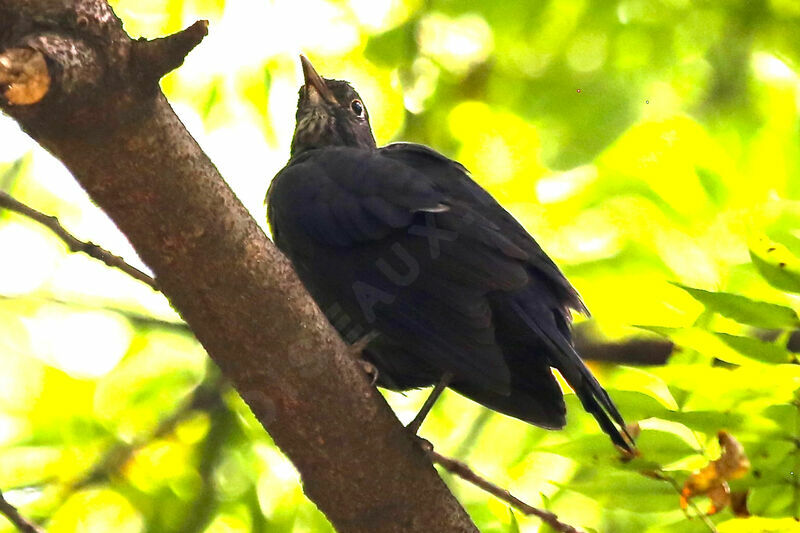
{"x":19,"y":521}
{"x":74,"y":244}
{"x":118,"y":136}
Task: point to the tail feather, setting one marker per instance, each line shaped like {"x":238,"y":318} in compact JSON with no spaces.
{"x":618,"y":433}
{"x":594,"y":398}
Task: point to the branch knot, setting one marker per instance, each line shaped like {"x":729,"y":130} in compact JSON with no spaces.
{"x":24,"y":77}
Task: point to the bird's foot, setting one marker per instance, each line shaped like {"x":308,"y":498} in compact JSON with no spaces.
{"x":370,"y":370}
{"x":357,"y":352}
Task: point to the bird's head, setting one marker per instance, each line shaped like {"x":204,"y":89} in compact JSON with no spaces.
{"x":329,"y":113}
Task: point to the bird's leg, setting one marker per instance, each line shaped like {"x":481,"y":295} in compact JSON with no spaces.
{"x":414,"y":425}
{"x":357,"y":351}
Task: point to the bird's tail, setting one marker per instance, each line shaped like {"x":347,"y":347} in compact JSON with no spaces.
{"x":598,"y":403}
{"x":563,"y":357}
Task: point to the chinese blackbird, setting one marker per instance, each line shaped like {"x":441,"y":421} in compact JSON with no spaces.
{"x":400,"y":243}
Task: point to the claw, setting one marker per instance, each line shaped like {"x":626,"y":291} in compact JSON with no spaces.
{"x":371,"y":370}
{"x":357,"y":351}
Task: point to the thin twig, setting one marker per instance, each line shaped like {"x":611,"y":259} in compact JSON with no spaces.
{"x":663,"y":476}
{"x":206,"y":397}
{"x":475,"y":430}
{"x":137,"y":319}
{"x":463,"y":471}
{"x":74,"y":244}
{"x":11,"y":174}
{"x":19,"y":521}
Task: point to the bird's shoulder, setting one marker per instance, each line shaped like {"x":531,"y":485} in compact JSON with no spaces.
{"x":356,"y":172}
{"x":343,"y":195}
{"x":500,"y":226}
{"x":422,"y":153}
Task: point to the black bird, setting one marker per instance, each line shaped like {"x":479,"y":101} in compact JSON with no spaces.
{"x":400,"y":243}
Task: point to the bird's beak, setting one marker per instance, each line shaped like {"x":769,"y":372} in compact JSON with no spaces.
{"x":315,"y":85}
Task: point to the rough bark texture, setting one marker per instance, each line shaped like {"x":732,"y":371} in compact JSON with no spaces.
{"x":106,"y":119}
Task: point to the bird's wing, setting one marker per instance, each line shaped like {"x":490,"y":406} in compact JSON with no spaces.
{"x":538,"y":314}
{"x":396,"y":219}
{"x":452,"y":177}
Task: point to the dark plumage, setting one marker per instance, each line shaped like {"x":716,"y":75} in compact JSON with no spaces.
{"x":400,"y":240}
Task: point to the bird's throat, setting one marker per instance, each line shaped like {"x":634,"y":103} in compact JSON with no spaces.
{"x":314,"y":129}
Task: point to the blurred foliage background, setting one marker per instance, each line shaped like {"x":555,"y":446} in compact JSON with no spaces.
{"x":651,"y":146}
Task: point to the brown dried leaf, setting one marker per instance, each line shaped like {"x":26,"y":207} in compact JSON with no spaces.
{"x":713,"y":479}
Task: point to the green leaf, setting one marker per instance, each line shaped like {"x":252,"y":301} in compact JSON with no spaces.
{"x":781,"y":413}
{"x":395,"y":47}
{"x":663,"y":447}
{"x":636,"y":405}
{"x":513,"y":526}
{"x":776,"y":264}
{"x":593,"y":449}
{"x":211,"y":100}
{"x":771,"y":501}
{"x":713,"y":183}
{"x":657,"y":448}
{"x":745,"y":310}
{"x":708,"y":422}
{"x":625,"y":490}
{"x":766,"y":352}
{"x":718,"y":345}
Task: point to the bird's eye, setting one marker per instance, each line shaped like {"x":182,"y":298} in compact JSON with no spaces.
{"x":357,"y":107}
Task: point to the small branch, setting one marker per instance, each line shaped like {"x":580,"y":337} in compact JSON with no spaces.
{"x":221,"y":424}
{"x":631,"y":351}
{"x":463,"y":471}
{"x":663,"y":476}
{"x":74,"y":244}
{"x":206,"y":397}
{"x":157,"y":57}
{"x":138,"y":320}
{"x":19,"y":521}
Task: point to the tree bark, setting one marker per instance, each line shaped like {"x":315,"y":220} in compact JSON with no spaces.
{"x":89,"y":94}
